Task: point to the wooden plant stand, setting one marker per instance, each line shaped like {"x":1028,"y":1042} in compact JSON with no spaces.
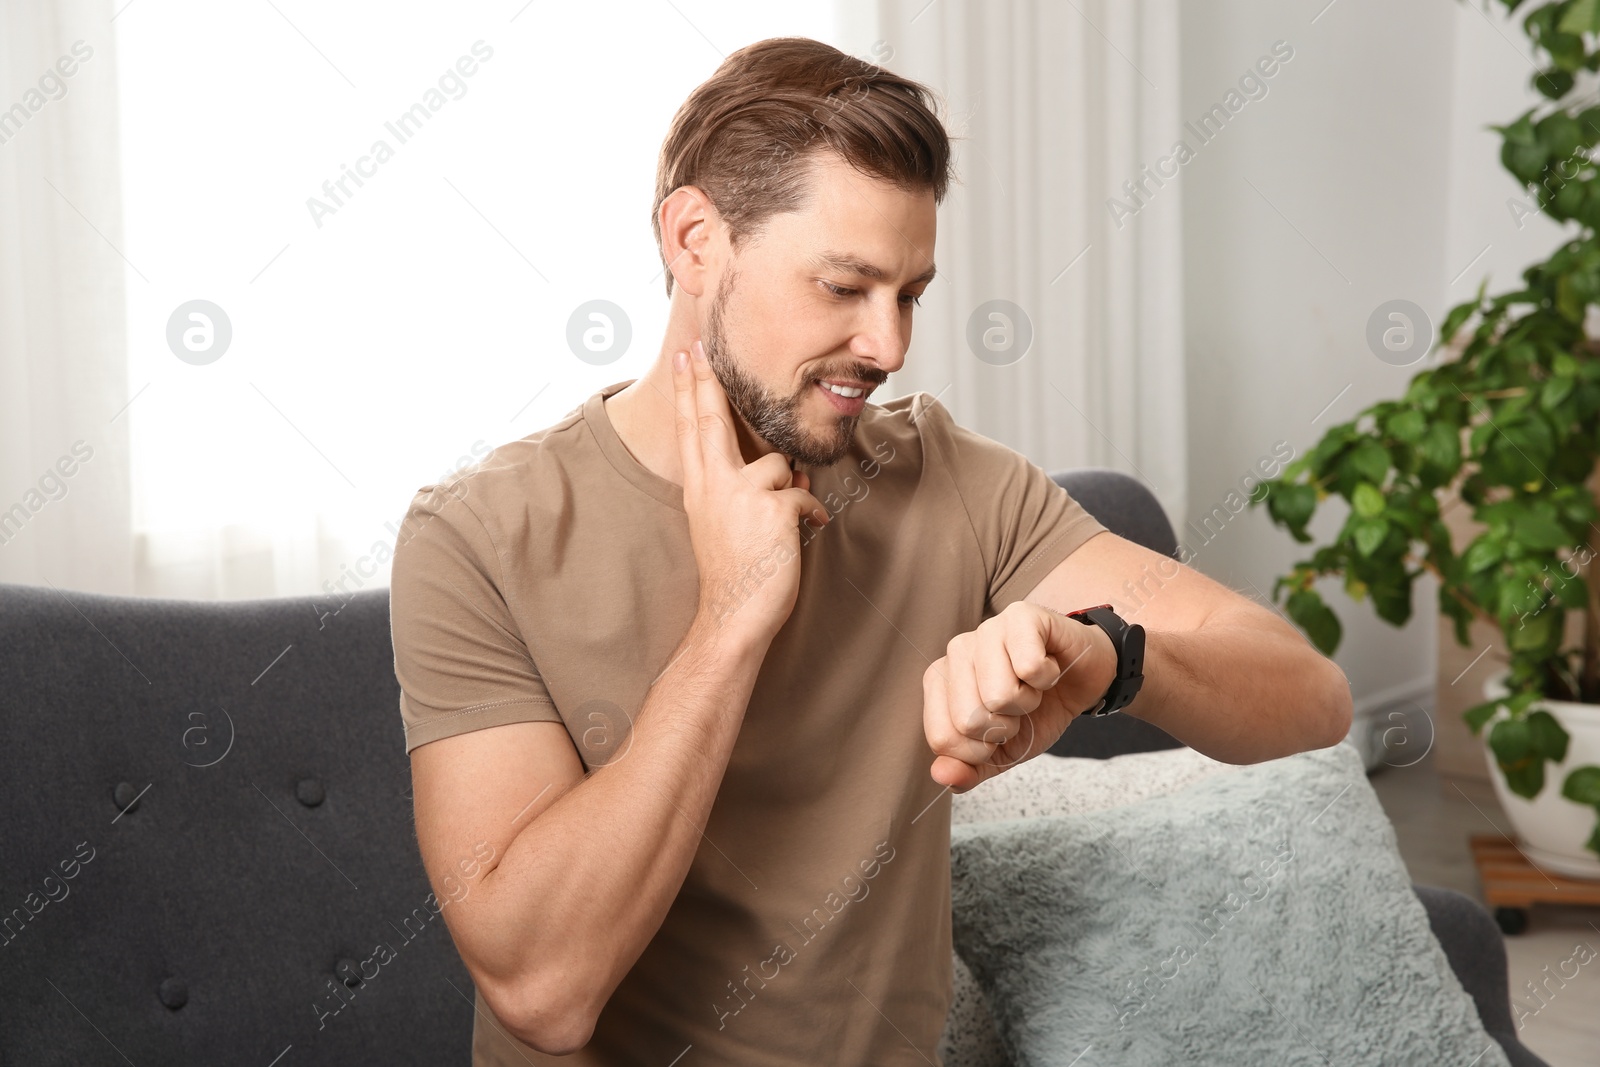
{"x":1511,"y":884}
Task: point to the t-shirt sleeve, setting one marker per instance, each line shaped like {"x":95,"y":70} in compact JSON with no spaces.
{"x":1024,"y":522}
{"x":459,"y":656}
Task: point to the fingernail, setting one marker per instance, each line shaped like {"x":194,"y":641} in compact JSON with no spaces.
{"x":680,"y":360}
{"x":699,"y":350}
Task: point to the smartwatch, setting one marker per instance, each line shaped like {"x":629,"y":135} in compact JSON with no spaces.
{"x":1128,"y":640}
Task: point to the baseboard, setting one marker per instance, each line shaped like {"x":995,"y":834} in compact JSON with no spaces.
{"x":1417,"y":691}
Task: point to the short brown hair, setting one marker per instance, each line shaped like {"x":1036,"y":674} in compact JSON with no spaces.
{"x":782,"y":101}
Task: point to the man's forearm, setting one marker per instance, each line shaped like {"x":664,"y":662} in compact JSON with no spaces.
{"x":585,"y":885}
{"x":1242,"y":692}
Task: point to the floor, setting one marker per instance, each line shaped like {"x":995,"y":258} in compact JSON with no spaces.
{"x":1433,"y":818}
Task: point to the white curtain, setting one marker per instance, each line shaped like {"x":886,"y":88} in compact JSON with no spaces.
{"x":409,"y":322}
{"x":424,"y":323}
{"x":64,"y":483}
{"x":1056,"y":105}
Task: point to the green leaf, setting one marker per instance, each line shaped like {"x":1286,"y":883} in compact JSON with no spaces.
{"x":1479,"y":714}
{"x":1292,"y":505}
{"x":1519,"y":132}
{"x":1532,"y":435}
{"x":1569,"y":198}
{"x":1369,"y":534}
{"x":1553,"y":84}
{"x":1458,"y":614}
{"x":1407,"y":426}
{"x":1511,"y":740}
{"x":1370,"y":460}
{"x":1582,"y":17}
{"x":1392,"y":602}
{"x":1525,"y":778}
{"x":1480,"y":436}
{"x":1583,"y":785}
{"x":1548,"y":738}
{"x":1509,"y":596}
{"x":1569,"y":301}
{"x":1518,"y":454}
{"x":1556,"y":389}
{"x":1482,"y":554}
{"x":1368,"y":501}
{"x":1562,"y":134}
{"x":1519,"y":701}
{"x":1307,"y":609}
{"x":1524,"y":161}
{"x":1457,"y":318}
{"x":1441,"y":446}
{"x":1577,"y":505}
{"x":1571,"y":592}
{"x":1498,"y":514}
{"x":1538,"y":530}
{"x":1566,"y":50}
{"x":1534,"y":632}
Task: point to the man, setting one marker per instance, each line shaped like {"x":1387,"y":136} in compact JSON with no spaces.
{"x":688,"y":676}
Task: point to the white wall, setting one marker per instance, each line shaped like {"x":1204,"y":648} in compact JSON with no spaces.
{"x":1380,"y":187}
{"x":1490,"y":86}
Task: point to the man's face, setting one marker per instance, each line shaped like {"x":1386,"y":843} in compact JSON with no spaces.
{"x":799,"y":310}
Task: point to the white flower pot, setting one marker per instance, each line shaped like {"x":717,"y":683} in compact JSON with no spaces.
{"x":1552,"y":829}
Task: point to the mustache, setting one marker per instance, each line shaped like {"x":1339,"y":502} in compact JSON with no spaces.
{"x":859,"y":372}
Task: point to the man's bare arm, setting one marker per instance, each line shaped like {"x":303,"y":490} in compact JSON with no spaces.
{"x":581,"y":878}
{"x":1223,"y":674}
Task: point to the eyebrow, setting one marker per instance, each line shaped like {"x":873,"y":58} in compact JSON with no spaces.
{"x":849,"y":264}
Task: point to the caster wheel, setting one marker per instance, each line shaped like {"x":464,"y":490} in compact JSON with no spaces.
{"x":1512,"y":921}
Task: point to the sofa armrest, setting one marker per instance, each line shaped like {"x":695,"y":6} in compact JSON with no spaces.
{"x":1477,"y":953}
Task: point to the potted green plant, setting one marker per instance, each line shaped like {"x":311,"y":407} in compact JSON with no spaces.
{"x":1510,"y":423}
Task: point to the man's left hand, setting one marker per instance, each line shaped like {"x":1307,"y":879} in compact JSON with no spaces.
{"x":1005,"y":692}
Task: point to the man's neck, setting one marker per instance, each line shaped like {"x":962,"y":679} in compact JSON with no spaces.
{"x":644,"y":416}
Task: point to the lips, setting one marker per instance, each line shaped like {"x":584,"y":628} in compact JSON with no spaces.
{"x":845,"y":405}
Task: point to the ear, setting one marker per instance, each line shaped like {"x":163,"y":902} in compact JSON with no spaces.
{"x":690,"y":227}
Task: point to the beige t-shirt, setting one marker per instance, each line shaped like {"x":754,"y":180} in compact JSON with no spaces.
{"x":553,"y":581}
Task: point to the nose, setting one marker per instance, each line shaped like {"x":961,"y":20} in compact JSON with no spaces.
{"x":881,"y":338}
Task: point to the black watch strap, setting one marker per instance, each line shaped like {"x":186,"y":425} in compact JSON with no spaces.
{"x":1128,"y":639}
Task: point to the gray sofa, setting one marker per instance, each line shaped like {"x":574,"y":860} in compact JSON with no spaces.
{"x":208,"y":854}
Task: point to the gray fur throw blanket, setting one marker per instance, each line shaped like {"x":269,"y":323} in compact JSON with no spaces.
{"x":1262,"y":916}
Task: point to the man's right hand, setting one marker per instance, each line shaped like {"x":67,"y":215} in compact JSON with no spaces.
{"x":743,"y":517}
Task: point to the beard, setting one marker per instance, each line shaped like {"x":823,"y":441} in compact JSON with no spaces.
{"x":776,"y":419}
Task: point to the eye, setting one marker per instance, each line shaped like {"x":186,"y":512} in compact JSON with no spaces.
{"x":915,"y":298}
{"x":837,"y":290}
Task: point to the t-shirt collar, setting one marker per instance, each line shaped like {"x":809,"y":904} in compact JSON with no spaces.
{"x":605,"y":434}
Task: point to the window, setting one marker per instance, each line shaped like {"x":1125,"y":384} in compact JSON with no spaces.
{"x":397,"y":210}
